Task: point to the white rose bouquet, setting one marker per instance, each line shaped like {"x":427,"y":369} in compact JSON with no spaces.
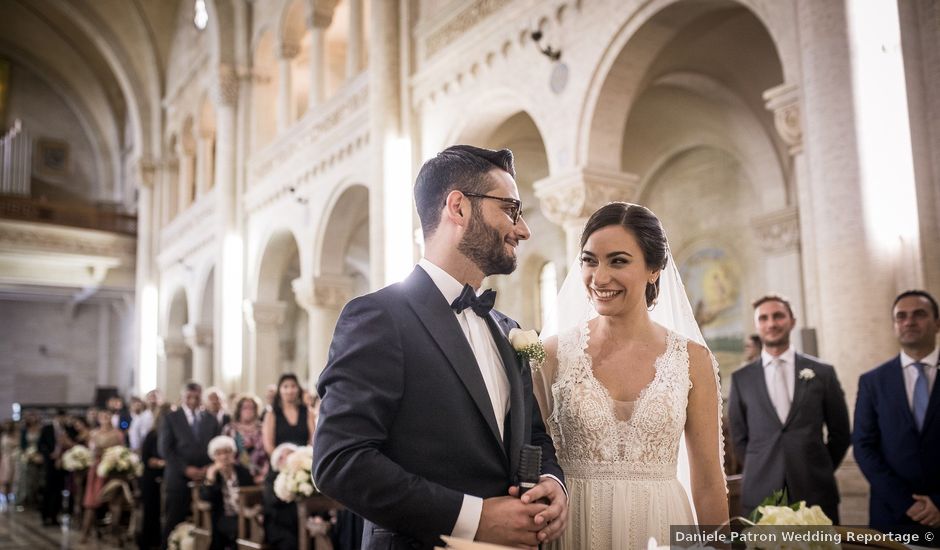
{"x":76,"y":459}
{"x":181,"y":538}
{"x":294,"y":478}
{"x":775,"y":512}
{"x":120,"y":461}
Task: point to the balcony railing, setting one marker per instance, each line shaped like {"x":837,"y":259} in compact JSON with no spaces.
{"x":87,"y":217}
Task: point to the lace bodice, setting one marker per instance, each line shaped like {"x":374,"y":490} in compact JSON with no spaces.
{"x":583,"y":423}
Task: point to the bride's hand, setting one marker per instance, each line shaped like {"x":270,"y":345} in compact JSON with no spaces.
{"x":553,"y":519}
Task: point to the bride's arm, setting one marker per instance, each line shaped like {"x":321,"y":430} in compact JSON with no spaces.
{"x":543,"y":378}
{"x":702,"y":433}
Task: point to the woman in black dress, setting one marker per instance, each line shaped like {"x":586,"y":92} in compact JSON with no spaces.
{"x":290,"y":421}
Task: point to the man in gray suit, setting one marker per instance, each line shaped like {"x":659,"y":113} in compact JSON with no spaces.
{"x":778,"y":406}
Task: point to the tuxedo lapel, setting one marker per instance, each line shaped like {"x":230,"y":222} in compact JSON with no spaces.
{"x":441,"y":323}
{"x":516,"y":399}
{"x":799,"y":386}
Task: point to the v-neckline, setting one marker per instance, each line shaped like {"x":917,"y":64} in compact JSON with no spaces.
{"x":611,"y":402}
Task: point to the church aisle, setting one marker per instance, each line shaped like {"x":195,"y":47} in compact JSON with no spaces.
{"x":24,"y":531}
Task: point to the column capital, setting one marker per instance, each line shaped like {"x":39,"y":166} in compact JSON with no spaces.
{"x":325,"y":291}
{"x":288,"y":50}
{"x":262,"y":316}
{"x":576,"y":194}
{"x":785,"y":101}
{"x":172,"y":347}
{"x":778,"y":231}
{"x":197,"y":335}
{"x":225,"y":85}
{"x":146,"y":172}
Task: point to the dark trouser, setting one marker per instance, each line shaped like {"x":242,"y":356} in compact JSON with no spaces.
{"x":177,"y":504}
{"x":52,"y":495}
{"x":224,"y":532}
{"x":149,"y":536}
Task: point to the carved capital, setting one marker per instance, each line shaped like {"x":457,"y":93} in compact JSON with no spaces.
{"x":288,"y":50}
{"x":784,"y":102}
{"x":172,"y":347}
{"x":197,"y":335}
{"x":146,"y":172}
{"x":778,"y":231}
{"x":332,"y":291}
{"x":264,"y":316}
{"x":225,"y":86}
{"x":577,"y":194}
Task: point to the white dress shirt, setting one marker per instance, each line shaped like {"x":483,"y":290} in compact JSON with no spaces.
{"x":910,"y":373}
{"x":787,"y":361}
{"x":140,"y":426}
{"x":494,"y":376}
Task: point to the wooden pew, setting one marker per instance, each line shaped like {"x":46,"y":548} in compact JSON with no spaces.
{"x":202,"y":519}
{"x":250,"y":519}
{"x":306,"y":509}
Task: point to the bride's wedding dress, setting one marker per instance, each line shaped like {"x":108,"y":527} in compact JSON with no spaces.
{"x":619,"y":458}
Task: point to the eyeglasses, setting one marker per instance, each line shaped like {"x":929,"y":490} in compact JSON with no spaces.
{"x":514,"y":213}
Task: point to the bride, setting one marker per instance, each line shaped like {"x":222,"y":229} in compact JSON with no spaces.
{"x":619,"y":389}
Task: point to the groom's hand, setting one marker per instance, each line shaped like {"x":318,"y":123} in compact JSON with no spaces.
{"x":509,"y":521}
{"x":552,"y":520}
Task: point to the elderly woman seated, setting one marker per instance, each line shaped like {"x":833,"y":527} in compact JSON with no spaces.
{"x":220,"y":489}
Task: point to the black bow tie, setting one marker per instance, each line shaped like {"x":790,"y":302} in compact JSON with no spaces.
{"x":468,"y":299}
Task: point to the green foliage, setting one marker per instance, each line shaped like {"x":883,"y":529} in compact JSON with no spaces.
{"x":778,"y":498}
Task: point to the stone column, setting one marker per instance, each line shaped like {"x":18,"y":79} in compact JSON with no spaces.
{"x":172,"y":375}
{"x":318,"y":24}
{"x":199,"y":339}
{"x":169,"y":190}
{"x":187,"y":165}
{"x":228,"y":364}
{"x":147,"y":237}
{"x":264,"y":321}
{"x":323,"y":299}
{"x":568,"y":199}
{"x":285,"y":102}
{"x":390,"y":178}
{"x":205,"y":162}
{"x":354,"y":40}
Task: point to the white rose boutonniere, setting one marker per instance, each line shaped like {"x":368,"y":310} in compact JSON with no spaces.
{"x":527,"y":344}
{"x":807,"y":374}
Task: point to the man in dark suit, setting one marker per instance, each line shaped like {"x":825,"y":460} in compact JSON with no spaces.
{"x":425,"y":406}
{"x":183,"y":442}
{"x":778,"y":407}
{"x":897,"y":425}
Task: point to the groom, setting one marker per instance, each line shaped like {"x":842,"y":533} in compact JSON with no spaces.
{"x":425,"y":405}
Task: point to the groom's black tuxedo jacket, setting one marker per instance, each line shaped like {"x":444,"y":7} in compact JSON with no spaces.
{"x":406,"y":426}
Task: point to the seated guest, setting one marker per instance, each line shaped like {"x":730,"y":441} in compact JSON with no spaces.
{"x":220,"y":489}
{"x":245,"y":429}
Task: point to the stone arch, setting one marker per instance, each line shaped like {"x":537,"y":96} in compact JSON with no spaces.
{"x":295,"y":40}
{"x":346,"y":213}
{"x":177,"y":358}
{"x":628,"y":66}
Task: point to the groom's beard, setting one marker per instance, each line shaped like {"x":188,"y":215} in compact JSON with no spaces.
{"x":483,"y":246}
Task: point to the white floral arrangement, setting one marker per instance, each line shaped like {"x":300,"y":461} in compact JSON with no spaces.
{"x":807,"y":374}
{"x":77,"y":458}
{"x":788,"y":515}
{"x":120,"y":461}
{"x":181,"y":538}
{"x":527,"y":344}
{"x":294,"y":479}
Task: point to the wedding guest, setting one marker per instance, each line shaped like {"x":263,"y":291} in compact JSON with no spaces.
{"x":290,"y":421}
{"x":29,"y":468}
{"x":82,"y":430}
{"x":105,"y":436}
{"x":245,"y":429}
{"x":778,"y":407}
{"x":897,"y":425}
{"x":215,"y":405}
{"x":223,"y":479}
{"x":150,"y":482}
{"x":752,"y":348}
{"x":182,"y":442}
{"x":54,"y":439}
{"x":269,"y":396}
{"x":9,"y":453}
{"x":143,"y":422}
{"x":120,"y":414}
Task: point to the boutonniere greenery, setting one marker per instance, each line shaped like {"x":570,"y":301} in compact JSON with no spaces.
{"x":527,"y":345}
{"x":807,"y":374}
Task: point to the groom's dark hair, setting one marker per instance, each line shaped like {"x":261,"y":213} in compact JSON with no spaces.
{"x":463,"y":168}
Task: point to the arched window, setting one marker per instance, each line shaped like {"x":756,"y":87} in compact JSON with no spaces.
{"x":548,"y":297}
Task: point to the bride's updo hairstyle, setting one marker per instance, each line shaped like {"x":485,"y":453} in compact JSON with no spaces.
{"x":644,"y":226}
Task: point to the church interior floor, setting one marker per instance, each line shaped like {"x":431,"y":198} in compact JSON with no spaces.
{"x":24,"y":531}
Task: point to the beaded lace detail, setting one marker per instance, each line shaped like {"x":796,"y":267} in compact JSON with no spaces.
{"x":583,"y":424}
